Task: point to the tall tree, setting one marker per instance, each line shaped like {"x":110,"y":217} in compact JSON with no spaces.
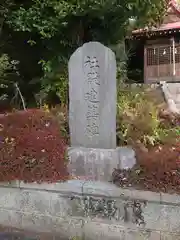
{"x":72,"y":22}
{"x":64,"y":25}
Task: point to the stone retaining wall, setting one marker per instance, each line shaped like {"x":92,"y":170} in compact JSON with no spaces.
{"x":90,"y":210}
{"x":172,"y":95}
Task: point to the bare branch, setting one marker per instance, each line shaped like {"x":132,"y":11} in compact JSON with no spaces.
{"x":21,"y":96}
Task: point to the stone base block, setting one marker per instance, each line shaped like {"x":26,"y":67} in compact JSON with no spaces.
{"x":127,"y":157}
{"x":98,"y":164}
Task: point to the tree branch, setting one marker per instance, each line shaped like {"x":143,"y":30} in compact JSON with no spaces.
{"x":21,"y":96}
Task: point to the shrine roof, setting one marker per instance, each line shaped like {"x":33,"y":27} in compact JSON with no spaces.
{"x":163,"y":27}
{"x":167,"y":27}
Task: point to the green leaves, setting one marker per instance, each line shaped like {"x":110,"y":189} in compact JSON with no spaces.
{"x":62,"y":26}
{"x":49,"y":18}
{"x":138,"y":118}
{"x":5,"y":67}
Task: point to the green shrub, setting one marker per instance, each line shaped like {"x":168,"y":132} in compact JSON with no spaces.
{"x":54,"y":85}
{"x":138,"y":119}
{"x":61,"y":114}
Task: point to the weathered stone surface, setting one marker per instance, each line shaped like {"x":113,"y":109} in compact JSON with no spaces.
{"x":98,"y":164}
{"x":40,"y":223}
{"x":10,"y":184}
{"x":67,"y":227}
{"x":92,"y":94}
{"x":92,"y":164}
{"x":102,"y":207}
{"x":103,"y":231}
{"x":142,"y":235}
{"x":146,"y":196}
{"x":111,"y":190}
{"x":127,"y":158}
{"x":105,"y":189}
{"x":121,"y":212}
{"x":42,"y":202}
{"x":170,"y":198}
{"x":107,"y":202}
{"x":169,"y":236}
{"x":9,"y":198}
{"x":162,"y":217}
{"x":172,"y":93}
{"x":10,"y":218}
{"x":15,"y":236}
{"x":70,"y":186}
{"x":34,"y":201}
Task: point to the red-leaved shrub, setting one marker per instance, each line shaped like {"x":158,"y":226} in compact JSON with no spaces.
{"x":31,"y":147}
{"x":157,"y":169}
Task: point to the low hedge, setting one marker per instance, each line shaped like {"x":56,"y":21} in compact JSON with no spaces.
{"x":31,"y":147}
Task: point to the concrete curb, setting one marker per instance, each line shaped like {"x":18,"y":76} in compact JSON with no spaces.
{"x":59,"y":207}
{"x":96,"y":188}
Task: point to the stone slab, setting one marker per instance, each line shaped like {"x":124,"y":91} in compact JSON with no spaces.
{"x":10,"y":218}
{"x":117,"y":210}
{"x":99,"y":204}
{"x":92,"y":97}
{"x":103,"y":231}
{"x":70,"y":186}
{"x":137,"y":215}
{"x":127,"y":157}
{"x":99,"y":164}
{"x":171,"y":199}
{"x":92,"y":164}
{"x":9,"y":198}
{"x":162,"y":217}
{"x":42,"y":202}
{"x":15,"y":236}
{"x":65,"y":227}
{"x":98,"y":188}
{"x":10,"y":184}
{"x":169,"y":236}
{"x":171,"y":93}
{"x":143,"y":235}
{"x":146,"y":196}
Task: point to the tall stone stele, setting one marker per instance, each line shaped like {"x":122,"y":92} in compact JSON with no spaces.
{"x":92,"y":112}
{"x":92,"y":95}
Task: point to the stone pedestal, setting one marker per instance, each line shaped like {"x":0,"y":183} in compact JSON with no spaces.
{"x":127,"y":157}
{"x":98,"y":164}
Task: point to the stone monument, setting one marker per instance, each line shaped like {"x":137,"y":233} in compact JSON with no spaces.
{"x":92,"y":113}
{"x":92,"y":95}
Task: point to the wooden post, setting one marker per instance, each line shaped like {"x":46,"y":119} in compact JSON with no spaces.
{"x":145,"y":64}
{"x":158,"y":62}
{"x":174,"y":60}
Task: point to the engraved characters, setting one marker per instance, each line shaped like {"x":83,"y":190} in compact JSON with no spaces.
{"x":91,"y":71}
